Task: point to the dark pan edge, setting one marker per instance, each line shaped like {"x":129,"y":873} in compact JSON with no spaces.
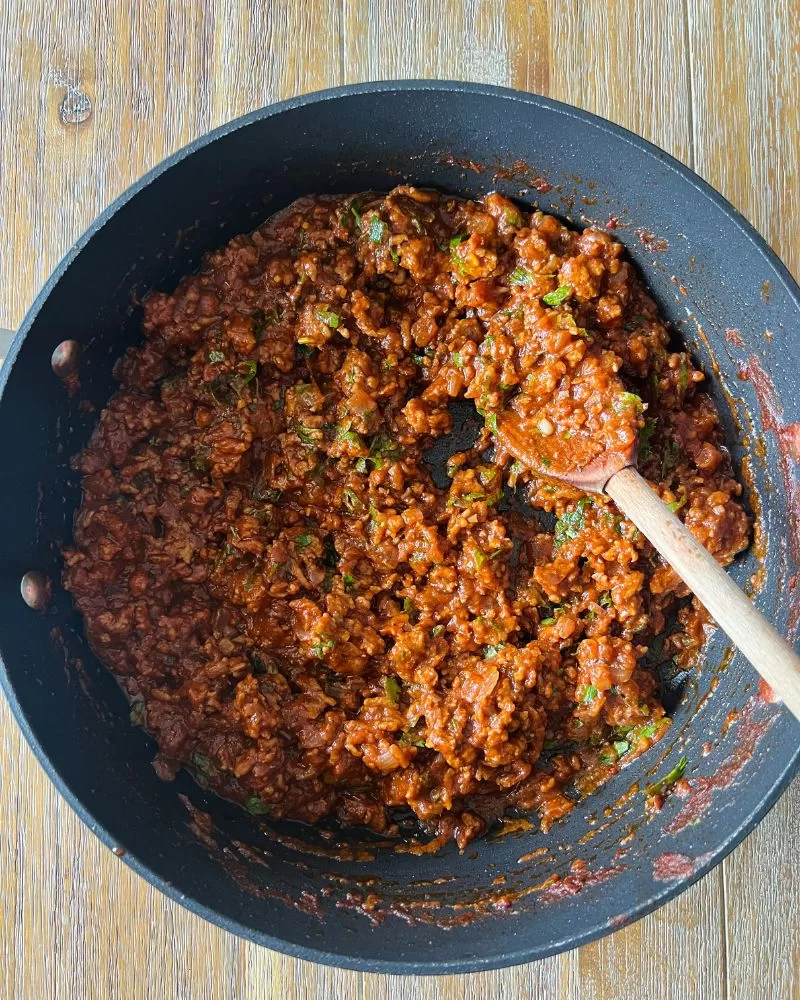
{"x":331,"y":958}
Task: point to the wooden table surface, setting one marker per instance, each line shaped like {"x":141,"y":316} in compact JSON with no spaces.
{"x":715,"y":82}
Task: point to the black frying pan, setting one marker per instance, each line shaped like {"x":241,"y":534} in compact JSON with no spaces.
{"x":711,"y":274}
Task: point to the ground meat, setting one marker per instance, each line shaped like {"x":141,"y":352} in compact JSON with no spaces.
{"x":307,"y":615}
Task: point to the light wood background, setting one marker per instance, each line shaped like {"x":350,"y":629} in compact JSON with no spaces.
{"x":715,"y":82}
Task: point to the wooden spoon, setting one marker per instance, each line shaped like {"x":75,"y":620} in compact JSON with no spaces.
{"x":615,"y":474}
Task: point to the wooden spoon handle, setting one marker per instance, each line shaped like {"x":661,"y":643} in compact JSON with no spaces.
{"x":771,"y":655}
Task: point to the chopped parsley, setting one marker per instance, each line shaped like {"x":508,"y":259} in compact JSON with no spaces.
{"x":677,"y":504}
{"x":589,"y":693}
{"x":411,"y":610}
{"x":350,"y":498}
{"x":412,"y":738}
{"x":205,"y":765}
{"x":490,"y":651}
{"x":377,"y":229}
{"x":343,"y":433}
{"x":555,"y":298}
{"x":630,"y":399}
{"x":245,"y":372}
{"x":491,"y":422}
{"x":645,"y":437}
{"x":391,"y":686}
{"x":663,"y":784}
{"x":303,"y":541}
{"x":437,"y":630}
{"x":321,"y":647}
{"x":684,"y":372}
{"x":382,"y":448}
{"x":255,"y":806}
{"x":520,"y":277}
{"x":327,"y":316}
{"x":349,"y":582}
{"x":571,"y":524}
{"x":216,"y":357}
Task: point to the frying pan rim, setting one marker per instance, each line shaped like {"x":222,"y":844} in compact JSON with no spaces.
{"x":532,"y":951}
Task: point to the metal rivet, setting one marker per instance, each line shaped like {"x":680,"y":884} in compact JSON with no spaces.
{"x":65,"y":358}
{"x":35,"y":589}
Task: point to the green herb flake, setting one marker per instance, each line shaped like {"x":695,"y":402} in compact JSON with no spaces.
{"x":327,"y":316}
{"x":605,"y":600}
{"x":255,"y":806}
{"x":457,"y":240}
{"x":250,"y":579}
{"x":621,"y":747}
{"x":555,"y":298}
{"x":349,"y":582}
{"x":321,"y":647}
{"x":684,"y":372}
{"x":343,"y":433}
{"x":665,"y":783}
{"x":411,"y":610}
{"x":246,"y":371}
{"x":627,"y":400}
{"x":377,"y":229}
{"x":512,"y":217}
{"x":138,"y":712}
{"x":491,"y":422}
{"x":456,"y":358}
{"x":490,"y":651}
{"x":303,"y":541}
{"x":352,"y":209}
{"x":412,"y":738}
{"x":547,"y":621}
{"x":437,"y":630}
{"x":215,"y":357}
{"x":391,"y":686}
{"x":394,"y":255}
{"x":645,"y":437}
{"x":351,"y":500}
{"x":676,"y":505}
{"x":205,"y":765}
{"x":520,"y":277}
{"x":571,"y":524}
{"x":589,"y":693}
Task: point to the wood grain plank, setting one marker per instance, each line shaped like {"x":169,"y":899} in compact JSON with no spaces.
{"x":762,"y":906}
{"x":744,"y":60}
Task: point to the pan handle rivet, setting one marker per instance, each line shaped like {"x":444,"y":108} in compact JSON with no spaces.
{"x":65,"y":358}
{"x":35,"y":589}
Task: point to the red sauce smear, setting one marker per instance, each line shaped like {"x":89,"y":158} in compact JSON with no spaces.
{"x":788,"y":439}
{"x":651,"y":242}
{"x":671,"y":866}
{"x":702,"y":789}
{"x":572,"y":884}
{"x":765,"y":693}
{"x":734,"y":337}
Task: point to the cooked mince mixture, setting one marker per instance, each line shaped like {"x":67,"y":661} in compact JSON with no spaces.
{"x":317,"y":619}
